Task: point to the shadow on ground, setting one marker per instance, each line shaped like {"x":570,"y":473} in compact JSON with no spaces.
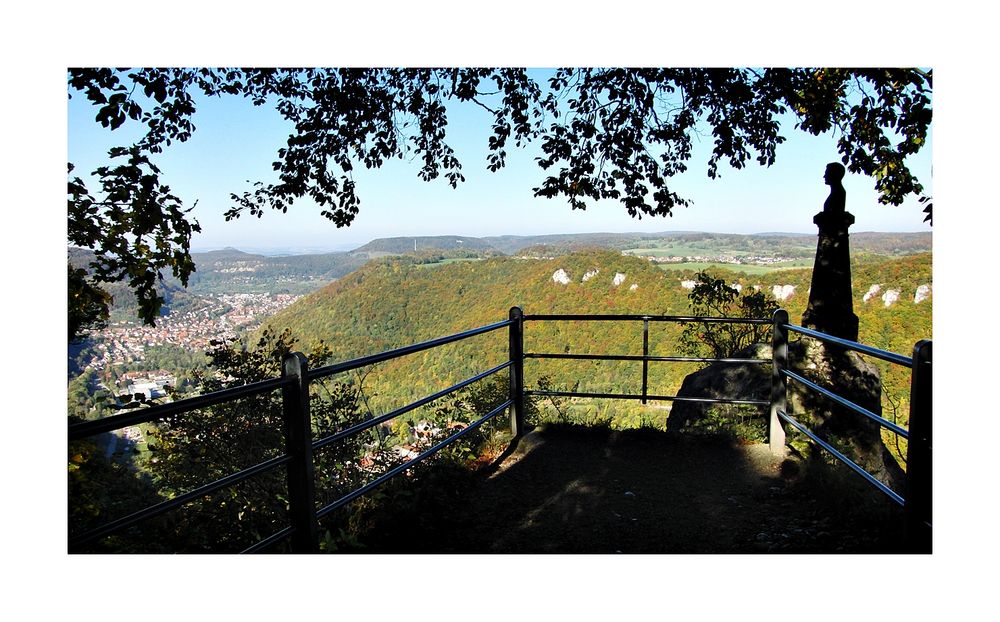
{"x":568,"y":489}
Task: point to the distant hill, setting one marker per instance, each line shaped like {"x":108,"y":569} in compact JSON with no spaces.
{"x":230,"y":271}
{"x":409,"y":245}
{"x":233,"y":271}
{"x":686,"y":242}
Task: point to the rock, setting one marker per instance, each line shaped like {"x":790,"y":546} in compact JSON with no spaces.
{"x":618,"y":280}
{"x":783,"y":292}
{"x":560,"y":276}
{"x":923,"y":293}
{"x":853,"y":378}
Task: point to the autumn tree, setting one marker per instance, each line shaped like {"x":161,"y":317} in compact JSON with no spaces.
{"x":712,"y":297}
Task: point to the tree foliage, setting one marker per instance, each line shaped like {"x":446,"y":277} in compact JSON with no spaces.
{"x":194,"y":449}
{"x":712,"y":297}
{"x":606,"y":134}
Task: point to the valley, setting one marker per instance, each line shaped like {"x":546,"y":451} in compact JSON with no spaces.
{"x":384,"y":295}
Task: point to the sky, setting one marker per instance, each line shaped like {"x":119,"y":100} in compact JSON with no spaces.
{"x":236,"y":141}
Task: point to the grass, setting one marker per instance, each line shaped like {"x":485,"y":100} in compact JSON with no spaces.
{"x":746,"y":269}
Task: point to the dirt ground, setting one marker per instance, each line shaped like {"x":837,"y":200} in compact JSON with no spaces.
{"x":587,"y":490}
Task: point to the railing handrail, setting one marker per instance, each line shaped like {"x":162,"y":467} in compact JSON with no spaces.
{"x":84,"y":429}
{"x":885,"y":355}
{"x":650,"y":318}
{"x":336,"y":368}
{"x":916,"y":503}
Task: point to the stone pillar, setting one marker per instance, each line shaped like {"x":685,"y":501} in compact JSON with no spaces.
{"x":831,"y":303}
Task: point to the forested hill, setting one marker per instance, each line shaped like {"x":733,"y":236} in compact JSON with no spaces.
{"x":395,"y":302}
{"x":787,"y":244}
{"x":409,"y":245}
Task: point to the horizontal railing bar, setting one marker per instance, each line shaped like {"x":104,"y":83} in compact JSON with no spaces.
{"x":351,"y":496}
{"x":268,"y":541}
{"x":155,"y":510}
{"x":364,"y":425}
{"x":329,"y":370}
{"x":885,"y":355}
{"x":639,"y":357}
{"x":665,"y":398}
{"x":839,"y":456}
{"x":160,"y":411}
{"x":849,"y":404}
{"x":651,"y":318}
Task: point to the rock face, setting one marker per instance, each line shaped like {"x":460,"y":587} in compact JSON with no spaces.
{"x":561,"y":277}
{"x":846,"y":373}
{"x":783,"y":292}
{"x":890,"y":296}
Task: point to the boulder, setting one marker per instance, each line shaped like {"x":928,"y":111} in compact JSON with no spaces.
{"x":845,"y":373}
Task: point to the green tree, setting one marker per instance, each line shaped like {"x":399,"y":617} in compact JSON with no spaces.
{"x":194,"y":449}
{"x":615,"y":134}
{"x":712,"y":297}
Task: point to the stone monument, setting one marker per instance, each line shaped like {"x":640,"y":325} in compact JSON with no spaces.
{"x":831,"y":306}
{"x":830,"y":310}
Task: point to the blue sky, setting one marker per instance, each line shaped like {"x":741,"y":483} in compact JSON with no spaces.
{"x":235,"y":142}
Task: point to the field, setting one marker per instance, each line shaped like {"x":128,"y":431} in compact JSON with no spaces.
{"x":746,"y":269}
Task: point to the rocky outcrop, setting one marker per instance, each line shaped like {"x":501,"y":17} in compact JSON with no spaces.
{"x":561,"y":277}
{"x":890,"y":296}
{"x":846,"y":373}
{"x":872,"y":291}
{"x":782,"y":292}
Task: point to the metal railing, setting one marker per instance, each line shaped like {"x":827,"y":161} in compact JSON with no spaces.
{"x":294,"y":383}
{"x":302,"y":532}
{"x":645,"y":357}
{"x":916,"y":500}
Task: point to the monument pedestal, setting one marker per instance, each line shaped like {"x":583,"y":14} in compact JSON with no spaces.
{"x":831,"y":306}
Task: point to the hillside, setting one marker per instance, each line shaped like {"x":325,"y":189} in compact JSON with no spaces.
{"x":395,"y":302}
{"x":675,"y":242}
{"x":407,"y":245}
{"x":231,"y":271}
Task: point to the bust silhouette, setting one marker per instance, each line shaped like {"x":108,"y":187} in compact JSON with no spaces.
{"x":834,"y":175}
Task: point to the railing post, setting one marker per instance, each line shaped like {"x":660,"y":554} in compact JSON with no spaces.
{"x":517,"y":371}
{"x":298,"y":445}
{"x":779,"y":382}
{"x":917,"y":508}
{"x":645,"y":353}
